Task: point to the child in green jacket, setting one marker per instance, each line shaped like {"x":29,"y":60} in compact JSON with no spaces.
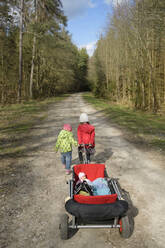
{"x":64,"y":143}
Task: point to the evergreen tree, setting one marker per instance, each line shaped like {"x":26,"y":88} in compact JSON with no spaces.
{"x":83,"y":70}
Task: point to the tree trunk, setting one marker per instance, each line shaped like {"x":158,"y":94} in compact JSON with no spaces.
{"x":32,"y":66}
{"x":20,"y":51}
{"x":33,"y":55}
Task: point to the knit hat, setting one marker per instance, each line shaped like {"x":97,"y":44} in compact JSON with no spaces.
{"x":83,"y":117}
{"x":80,"y":175}
{"x":67,"y":127}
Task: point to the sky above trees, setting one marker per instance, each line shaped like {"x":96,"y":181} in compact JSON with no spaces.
{"x":87,"y":20}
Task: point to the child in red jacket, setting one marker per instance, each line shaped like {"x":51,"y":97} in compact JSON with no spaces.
{"x":86,"y":136}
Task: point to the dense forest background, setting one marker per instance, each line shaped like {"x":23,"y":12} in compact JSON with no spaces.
{"x":38,"y":58}
{"x":128,"y":65}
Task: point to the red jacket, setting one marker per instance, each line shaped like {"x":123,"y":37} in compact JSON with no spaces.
{"x":86,"y":134}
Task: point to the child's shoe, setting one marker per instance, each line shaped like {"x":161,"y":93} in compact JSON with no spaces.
{"x":68,"y":172}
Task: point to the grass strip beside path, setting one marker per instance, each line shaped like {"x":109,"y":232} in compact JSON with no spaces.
{"x":16,"y":120}
{"x":144,"y":128}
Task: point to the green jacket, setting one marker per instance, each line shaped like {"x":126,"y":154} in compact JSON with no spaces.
{"x":65,"y":141}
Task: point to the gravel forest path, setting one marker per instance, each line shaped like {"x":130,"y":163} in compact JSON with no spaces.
{"x":30,"y":209}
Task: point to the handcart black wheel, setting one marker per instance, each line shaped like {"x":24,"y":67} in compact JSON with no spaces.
{"x":125,"y":227}
{"x":64,"y":227}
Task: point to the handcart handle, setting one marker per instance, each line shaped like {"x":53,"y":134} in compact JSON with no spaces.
{"x":84,"y":145}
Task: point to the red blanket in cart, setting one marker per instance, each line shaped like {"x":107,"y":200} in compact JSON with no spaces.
{"x":92,"y":171}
